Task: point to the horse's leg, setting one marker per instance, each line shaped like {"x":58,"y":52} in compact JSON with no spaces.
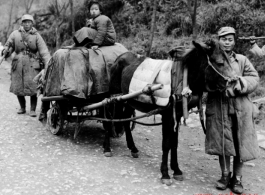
{"x":167,"y":128}
{"x":128,"y":112}
{"x":177,"y":175}
{"x":108,"y":128}
{"x":106,"y":143}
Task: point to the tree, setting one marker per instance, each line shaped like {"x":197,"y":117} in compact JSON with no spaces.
{"x":6,"y":33}
{"x":58,"y":9}
{"x":193,"y":13}
{"x":72,"y":16}
{"x":153,"y":27}
{"x":28,"y":4}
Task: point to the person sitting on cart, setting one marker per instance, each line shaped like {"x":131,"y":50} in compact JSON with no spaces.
{"x":99,"y":30}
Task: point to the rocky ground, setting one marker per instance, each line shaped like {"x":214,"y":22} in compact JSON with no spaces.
{"x":34,"y":162}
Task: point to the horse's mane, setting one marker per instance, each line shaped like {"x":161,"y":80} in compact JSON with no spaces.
{"x":196,"y":61}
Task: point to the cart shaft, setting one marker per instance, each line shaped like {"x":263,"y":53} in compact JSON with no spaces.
{"x":146,"y":89}
{"x":53,"y":98}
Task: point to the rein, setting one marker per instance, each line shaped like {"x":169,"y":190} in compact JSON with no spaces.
{"x":227,"y":79}
{"x":224,"y":77}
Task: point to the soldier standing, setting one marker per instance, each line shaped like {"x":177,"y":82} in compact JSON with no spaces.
{"x":255,"y":49}
{"x":31,"y":55}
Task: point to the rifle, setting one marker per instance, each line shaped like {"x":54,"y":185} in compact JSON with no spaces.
{"x":248,"y":38}
{"x":5,"y":55}
{"x":2,"y":59}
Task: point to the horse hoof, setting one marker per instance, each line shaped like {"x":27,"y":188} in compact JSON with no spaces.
{"x":168,"y":182}
{"x":178,"y":177}
{"x":135,"y":155}
{"x":108,"y":154}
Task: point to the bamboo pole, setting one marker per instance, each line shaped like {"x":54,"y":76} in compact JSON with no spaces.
{"x":108,"y":100}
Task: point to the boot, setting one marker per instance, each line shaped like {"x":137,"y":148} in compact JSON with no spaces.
{"x":236,"y":184}
{"x":43,"y":112}
{"x":22,"y":103}
{"x":223,"y":182}
{"x":33,"y":105}
{"x":21,"y":111}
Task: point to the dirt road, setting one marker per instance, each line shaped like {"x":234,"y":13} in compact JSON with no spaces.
{"x":34,"y":162}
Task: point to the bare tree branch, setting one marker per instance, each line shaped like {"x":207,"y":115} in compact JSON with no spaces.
{"x":59,"y":10}
{"x":194,"y":23}
{"x":28,"y":4}
{"x":9,"y":20}
{"x":153,"y":27}
{"x":72,"y":16}
{"x":193,"y":14}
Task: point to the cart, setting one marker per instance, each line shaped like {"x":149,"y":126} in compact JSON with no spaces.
{"x":68,"y":109}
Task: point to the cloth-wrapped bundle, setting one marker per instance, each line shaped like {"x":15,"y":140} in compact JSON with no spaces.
{"x":80,"y":72}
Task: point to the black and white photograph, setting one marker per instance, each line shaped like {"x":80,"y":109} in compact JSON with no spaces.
{"x":132,"y":97}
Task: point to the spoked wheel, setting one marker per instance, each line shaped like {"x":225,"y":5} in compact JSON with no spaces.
{"x":55,"y":119}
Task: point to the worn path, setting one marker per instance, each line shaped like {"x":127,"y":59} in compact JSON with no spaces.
{"x":35,"y":162}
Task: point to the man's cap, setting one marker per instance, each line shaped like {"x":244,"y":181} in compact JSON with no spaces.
{"x":27,"y":17}
{"x":226,"y":30}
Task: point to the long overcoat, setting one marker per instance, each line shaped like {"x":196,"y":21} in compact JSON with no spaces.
{"x":219,"y":123}
{"x":25,"y":64}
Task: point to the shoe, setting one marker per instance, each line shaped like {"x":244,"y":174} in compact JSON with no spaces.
{"x":222,"y":183}
{"x":42,"y":116}
{"x":21,"y":111}
{"x":236,"y":184}
{"x":32,"y":113}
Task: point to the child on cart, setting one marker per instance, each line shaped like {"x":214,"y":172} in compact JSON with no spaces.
{"x":99,"y":30}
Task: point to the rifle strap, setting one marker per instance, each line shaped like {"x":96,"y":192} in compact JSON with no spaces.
{"x":28,"y":50}
{"x":24,"y":40}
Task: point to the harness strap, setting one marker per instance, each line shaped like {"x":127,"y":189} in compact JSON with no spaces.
{"x":200,"y":110}
{"x":223,"y":141}
{"x":174,"y":112}
{"x":210,"y":64}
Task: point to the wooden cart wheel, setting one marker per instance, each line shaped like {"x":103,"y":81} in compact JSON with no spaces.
{"x":55,"y":119}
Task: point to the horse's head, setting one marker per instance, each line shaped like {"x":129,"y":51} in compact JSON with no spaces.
{"x":217,"y":70}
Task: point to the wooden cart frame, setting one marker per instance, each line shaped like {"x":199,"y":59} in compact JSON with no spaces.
{"x":60,"y":115}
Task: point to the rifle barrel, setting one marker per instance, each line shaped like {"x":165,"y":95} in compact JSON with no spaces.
{"x":2,"y":60}
{"x":248,"y":38}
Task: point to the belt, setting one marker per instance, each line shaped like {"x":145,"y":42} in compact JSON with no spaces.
{"x":31,"y":55}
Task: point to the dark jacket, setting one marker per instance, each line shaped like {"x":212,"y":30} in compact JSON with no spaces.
{"x":101,"y":32}
{"x":106,"y":34}
{"x":26,"y":66}
{"x":218,"y":116}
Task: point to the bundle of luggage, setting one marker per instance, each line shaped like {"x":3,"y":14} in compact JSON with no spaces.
{"x":80,"y":72}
